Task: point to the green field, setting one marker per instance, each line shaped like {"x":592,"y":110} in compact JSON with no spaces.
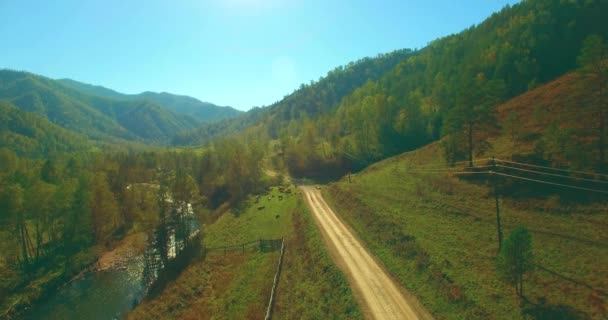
{"x":237,"y":285}
{"x":437,"y":235}
{"x":249,"y":224}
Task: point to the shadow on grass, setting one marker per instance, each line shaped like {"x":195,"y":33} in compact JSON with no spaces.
{"x":315,"y":180}
{"x":577,"y":282}
{"x":544,"y":311}
{"x":240,"y":207}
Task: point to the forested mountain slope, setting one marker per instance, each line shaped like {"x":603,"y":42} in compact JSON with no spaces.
{"x":179,"y":104}
{"x":310,"y":100}
{"x":95,"y":117}
{"x":28,"y":134}
{"x":420,"y":99}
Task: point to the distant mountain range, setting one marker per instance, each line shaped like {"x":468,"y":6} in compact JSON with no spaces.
{"x":179,"y":104}
{"x":98,"y":113}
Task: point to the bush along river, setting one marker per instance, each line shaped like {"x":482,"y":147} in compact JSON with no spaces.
{"x":110,"y":293}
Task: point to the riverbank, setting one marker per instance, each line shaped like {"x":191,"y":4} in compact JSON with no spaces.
{"x":87,"y":261}
{"x":129,"y":247}
{"x":44,"y":285}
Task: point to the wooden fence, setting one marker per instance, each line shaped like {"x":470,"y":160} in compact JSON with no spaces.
{"x":252,"y":246}
{"x":275,"y":283}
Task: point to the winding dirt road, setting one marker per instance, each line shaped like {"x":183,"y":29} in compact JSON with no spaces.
{"x":381,"y":298}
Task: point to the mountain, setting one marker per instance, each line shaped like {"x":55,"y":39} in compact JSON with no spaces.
{"x":96,"y":117}
{"x":309,"y":100}
{"x":28,"y":134}
{"x":371,"y":110}
{"x":179,"y":104}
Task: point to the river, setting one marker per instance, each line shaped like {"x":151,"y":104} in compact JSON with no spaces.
{"x":102,"y":295}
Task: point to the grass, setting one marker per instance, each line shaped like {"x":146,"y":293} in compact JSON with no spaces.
{"x":249,"y":223}
{"x":237,"y":285}
{"x":437,"y":235}
{"x":311,"y":286}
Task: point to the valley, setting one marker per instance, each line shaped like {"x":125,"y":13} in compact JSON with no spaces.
{"x":466,"y":178}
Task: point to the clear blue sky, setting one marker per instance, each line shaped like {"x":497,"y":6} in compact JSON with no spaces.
{"x":241,"y":53}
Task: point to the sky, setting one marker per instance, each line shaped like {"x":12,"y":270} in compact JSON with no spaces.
{"x":241,"y":53}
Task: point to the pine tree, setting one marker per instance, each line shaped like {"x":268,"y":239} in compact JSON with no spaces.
{"x":516,"y":258}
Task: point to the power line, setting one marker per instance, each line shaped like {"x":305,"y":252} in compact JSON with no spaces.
{"x":461,"y":169}
{"x":357,"y":159}
{"x":550,"y":168}
{"x":512,"y":176}
{"x":448,"y":172}
{"x":454,"y":163}
{"x":552,"y":174}
{"x":546,"y":182}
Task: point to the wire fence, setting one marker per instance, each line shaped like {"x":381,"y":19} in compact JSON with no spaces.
{"x":261,"y":245}
{"x":275,"y":283}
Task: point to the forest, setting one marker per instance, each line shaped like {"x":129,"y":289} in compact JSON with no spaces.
{"x":83,"y":166}
{"x":58,"y":215}
{"x":448,"y":88}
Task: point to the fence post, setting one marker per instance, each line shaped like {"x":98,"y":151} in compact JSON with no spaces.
{"x":275,"y":283}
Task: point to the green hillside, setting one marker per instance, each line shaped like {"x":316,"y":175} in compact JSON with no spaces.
{"x":473,"y":169}
{"x":178,"y":104}
{"x":95,"y":117}
{"x":416,"y":101}
{"x":310,"y":100}
{"x":435,"y":228}
{"x":30,"y":135}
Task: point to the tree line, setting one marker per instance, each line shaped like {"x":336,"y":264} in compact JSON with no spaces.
{"x":449,"y":89}
{"x":57,"y":215}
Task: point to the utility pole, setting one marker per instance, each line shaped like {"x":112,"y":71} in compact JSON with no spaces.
{"x":498,"y":228}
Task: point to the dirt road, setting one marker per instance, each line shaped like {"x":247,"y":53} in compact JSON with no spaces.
{"x":380,"y":297}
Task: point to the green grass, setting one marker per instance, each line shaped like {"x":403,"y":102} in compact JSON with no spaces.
{"x":248,"y":293}
{"x":311,"y":286}
{"x":249,"y":223}
{"x":449,"y":263}
{"x":237,"y":285}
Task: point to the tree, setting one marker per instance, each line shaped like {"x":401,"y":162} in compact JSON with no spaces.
{"x":185,"y":196}
{"x":593,"y":61}
{"x":516,"y":258}
{"x":476,"y":110}
{"x":8,"y":163}
{"x":49,"y":172}
{"x":77,"y":228}
{"x":38,"y":208}
{"x":12,"y":206}
{"x":104,"y":209}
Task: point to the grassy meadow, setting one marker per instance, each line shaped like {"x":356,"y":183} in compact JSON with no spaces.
{"x":437,"y":235}
{"x":237,"y":285}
